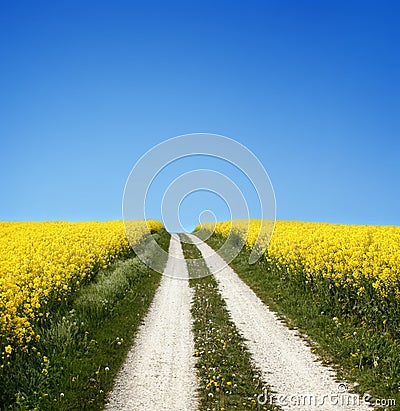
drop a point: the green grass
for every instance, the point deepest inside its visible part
(84, 343)
(228, 379)
(356, 349)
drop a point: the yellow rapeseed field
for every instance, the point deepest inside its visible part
(347, 254)
(42, 262)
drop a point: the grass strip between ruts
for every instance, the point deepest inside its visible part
(228, 378)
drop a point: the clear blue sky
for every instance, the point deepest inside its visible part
(311, 87)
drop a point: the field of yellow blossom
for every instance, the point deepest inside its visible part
(349, 255)
(43, 262)
(357, 264)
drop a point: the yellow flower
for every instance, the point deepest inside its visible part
(44, 260)
(347, 255)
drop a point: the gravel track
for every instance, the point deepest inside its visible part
(159, 372)
(286, 362)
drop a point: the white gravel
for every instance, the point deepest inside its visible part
(286, 362)
(159, 372)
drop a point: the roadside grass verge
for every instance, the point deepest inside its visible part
(228, 378)
(369, 359)
(84, 343)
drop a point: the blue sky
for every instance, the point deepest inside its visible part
(310, 87)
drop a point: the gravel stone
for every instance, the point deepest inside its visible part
(159, 372)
